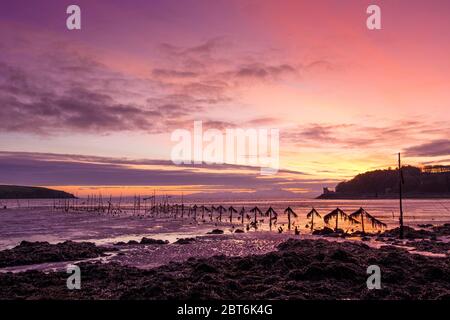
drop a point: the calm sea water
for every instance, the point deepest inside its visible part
(429, 211)
(36, 220)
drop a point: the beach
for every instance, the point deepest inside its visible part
(131, 257)
(295, 269)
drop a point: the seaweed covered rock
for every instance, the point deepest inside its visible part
(299, 269)
(145, 240)
(443, 230)
(40, 252)
(185, 240)
(216, 231)
(409, 233)
(324, 231)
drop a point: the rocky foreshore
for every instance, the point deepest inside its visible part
(298, 269)
(27, 253)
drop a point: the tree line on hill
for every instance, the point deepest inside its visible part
(385, 183)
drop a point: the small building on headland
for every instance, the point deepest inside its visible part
(327, 193)
(436, 169)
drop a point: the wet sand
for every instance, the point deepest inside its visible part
(44, 224)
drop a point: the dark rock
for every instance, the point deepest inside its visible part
(409, 233)
(145, 240)
(434, 274)
(443, 230)
(324, 231)
(39, 252)
(341, 255)
(185, 240)
(205, 268)
(216, 231)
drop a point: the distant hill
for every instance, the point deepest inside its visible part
(384, 184)
(21, 192)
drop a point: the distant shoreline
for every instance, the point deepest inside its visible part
(8, 192)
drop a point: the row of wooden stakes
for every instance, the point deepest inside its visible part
(143, 207)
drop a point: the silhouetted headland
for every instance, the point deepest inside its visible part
(23, 192)
(427, 182)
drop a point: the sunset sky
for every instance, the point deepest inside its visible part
(96, 107)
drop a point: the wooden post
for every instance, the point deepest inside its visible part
(182, 205)
(270, 220)
(139, 205)
(362, 222)
(289, 221)
(400, 195)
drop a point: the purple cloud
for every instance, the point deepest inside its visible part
(430, 149)
(264, 71)
(53, 169)
(55, 88)
(353, 135)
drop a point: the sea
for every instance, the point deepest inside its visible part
(38, 220)
(416, 211)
